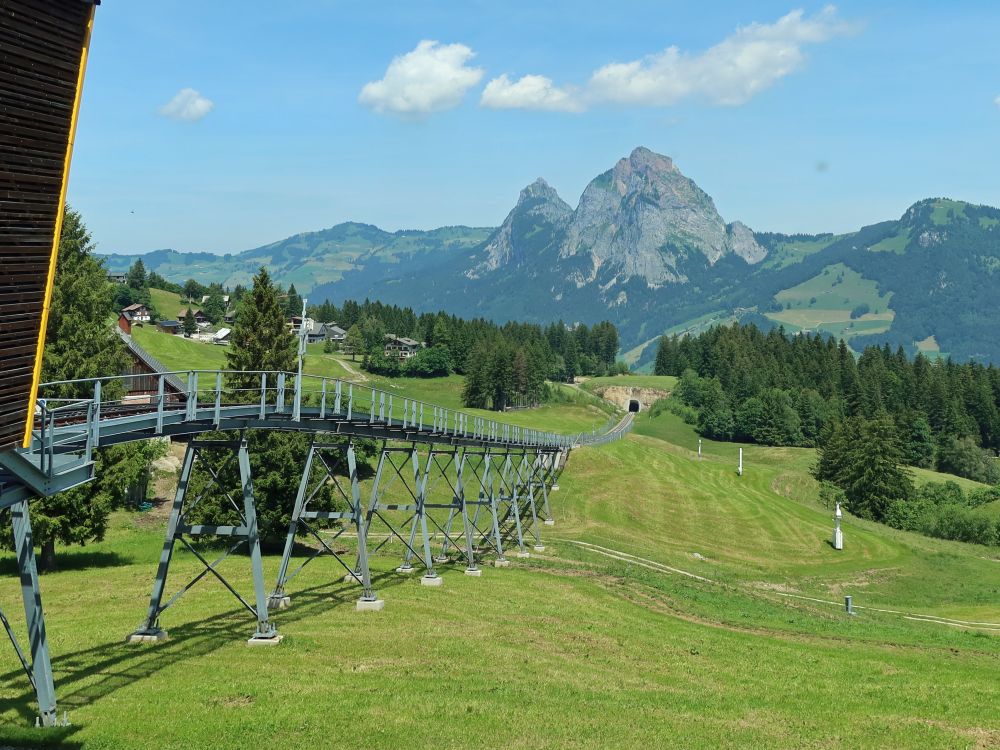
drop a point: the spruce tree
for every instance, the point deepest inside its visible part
(190, 326)
(260, 339)
(79, 343)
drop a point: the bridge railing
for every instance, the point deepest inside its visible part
(72, 412)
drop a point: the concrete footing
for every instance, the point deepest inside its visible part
(272, 640)
(539, 548)
(351, 579)
(370, 605)
(555, 487)
(442, 559)
(279, 601)
(523, 555)
(431, 581)
(549, 522)
(501, 563)
(147, 636)
(473, 572)
(405, 569)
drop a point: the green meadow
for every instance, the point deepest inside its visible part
(676, 604)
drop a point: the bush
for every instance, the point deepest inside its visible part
(376, 362)
(963, 457)
(859, 310)
(429, 363)
(674, 406)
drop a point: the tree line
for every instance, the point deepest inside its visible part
(870, 416)
(503, 365)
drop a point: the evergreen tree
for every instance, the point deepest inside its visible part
(136, 276)
(293, 303)
(260, 339)
(864, 458)
(570, 357)
(355, 341)
(79, 343)
(190, 325)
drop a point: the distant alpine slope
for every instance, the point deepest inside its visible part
(646, 248)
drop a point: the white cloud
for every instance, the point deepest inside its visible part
(529, 92)
(730, 73)
(187, 105)
(431, 78)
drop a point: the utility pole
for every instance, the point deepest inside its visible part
(303, 334)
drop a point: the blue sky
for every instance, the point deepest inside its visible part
(794, 117)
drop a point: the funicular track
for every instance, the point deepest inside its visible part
(448, 487)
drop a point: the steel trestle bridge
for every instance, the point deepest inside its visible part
(448, 487)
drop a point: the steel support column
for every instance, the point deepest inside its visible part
(40, 672)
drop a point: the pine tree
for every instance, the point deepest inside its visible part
(293, 303)
(79, 343)
(190, 325)
(136, 277)
(662, 364)
(260, 339)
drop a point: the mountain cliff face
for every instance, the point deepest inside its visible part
(539, 212)
(642, 219)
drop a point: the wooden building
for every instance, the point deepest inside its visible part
(44, 53)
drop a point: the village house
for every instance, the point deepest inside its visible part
(117, 278)
(125, 322)
(315, 331)
(199, 317)
(138, 312)
(335, 333)
(170, 326)
(401, 346)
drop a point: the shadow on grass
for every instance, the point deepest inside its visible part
(86, 676)
(73, 560)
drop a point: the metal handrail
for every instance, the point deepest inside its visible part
(209, 392)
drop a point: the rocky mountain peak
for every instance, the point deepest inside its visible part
(645, 218)
(539, 211)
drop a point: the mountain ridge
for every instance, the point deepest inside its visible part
(646, 248)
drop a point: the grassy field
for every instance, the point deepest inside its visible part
(601, 641)
(661, 382)
(824, 304)
(168, 304)
(794, 251)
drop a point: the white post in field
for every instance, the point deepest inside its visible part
(739, 469)
(699, 447)
(838, 535)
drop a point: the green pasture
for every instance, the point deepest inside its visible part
(605, 639)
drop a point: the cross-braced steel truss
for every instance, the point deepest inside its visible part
(216, 458)
(327, 465)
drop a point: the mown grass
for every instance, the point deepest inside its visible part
(168, 304)
(567, 649)
(661, 382)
